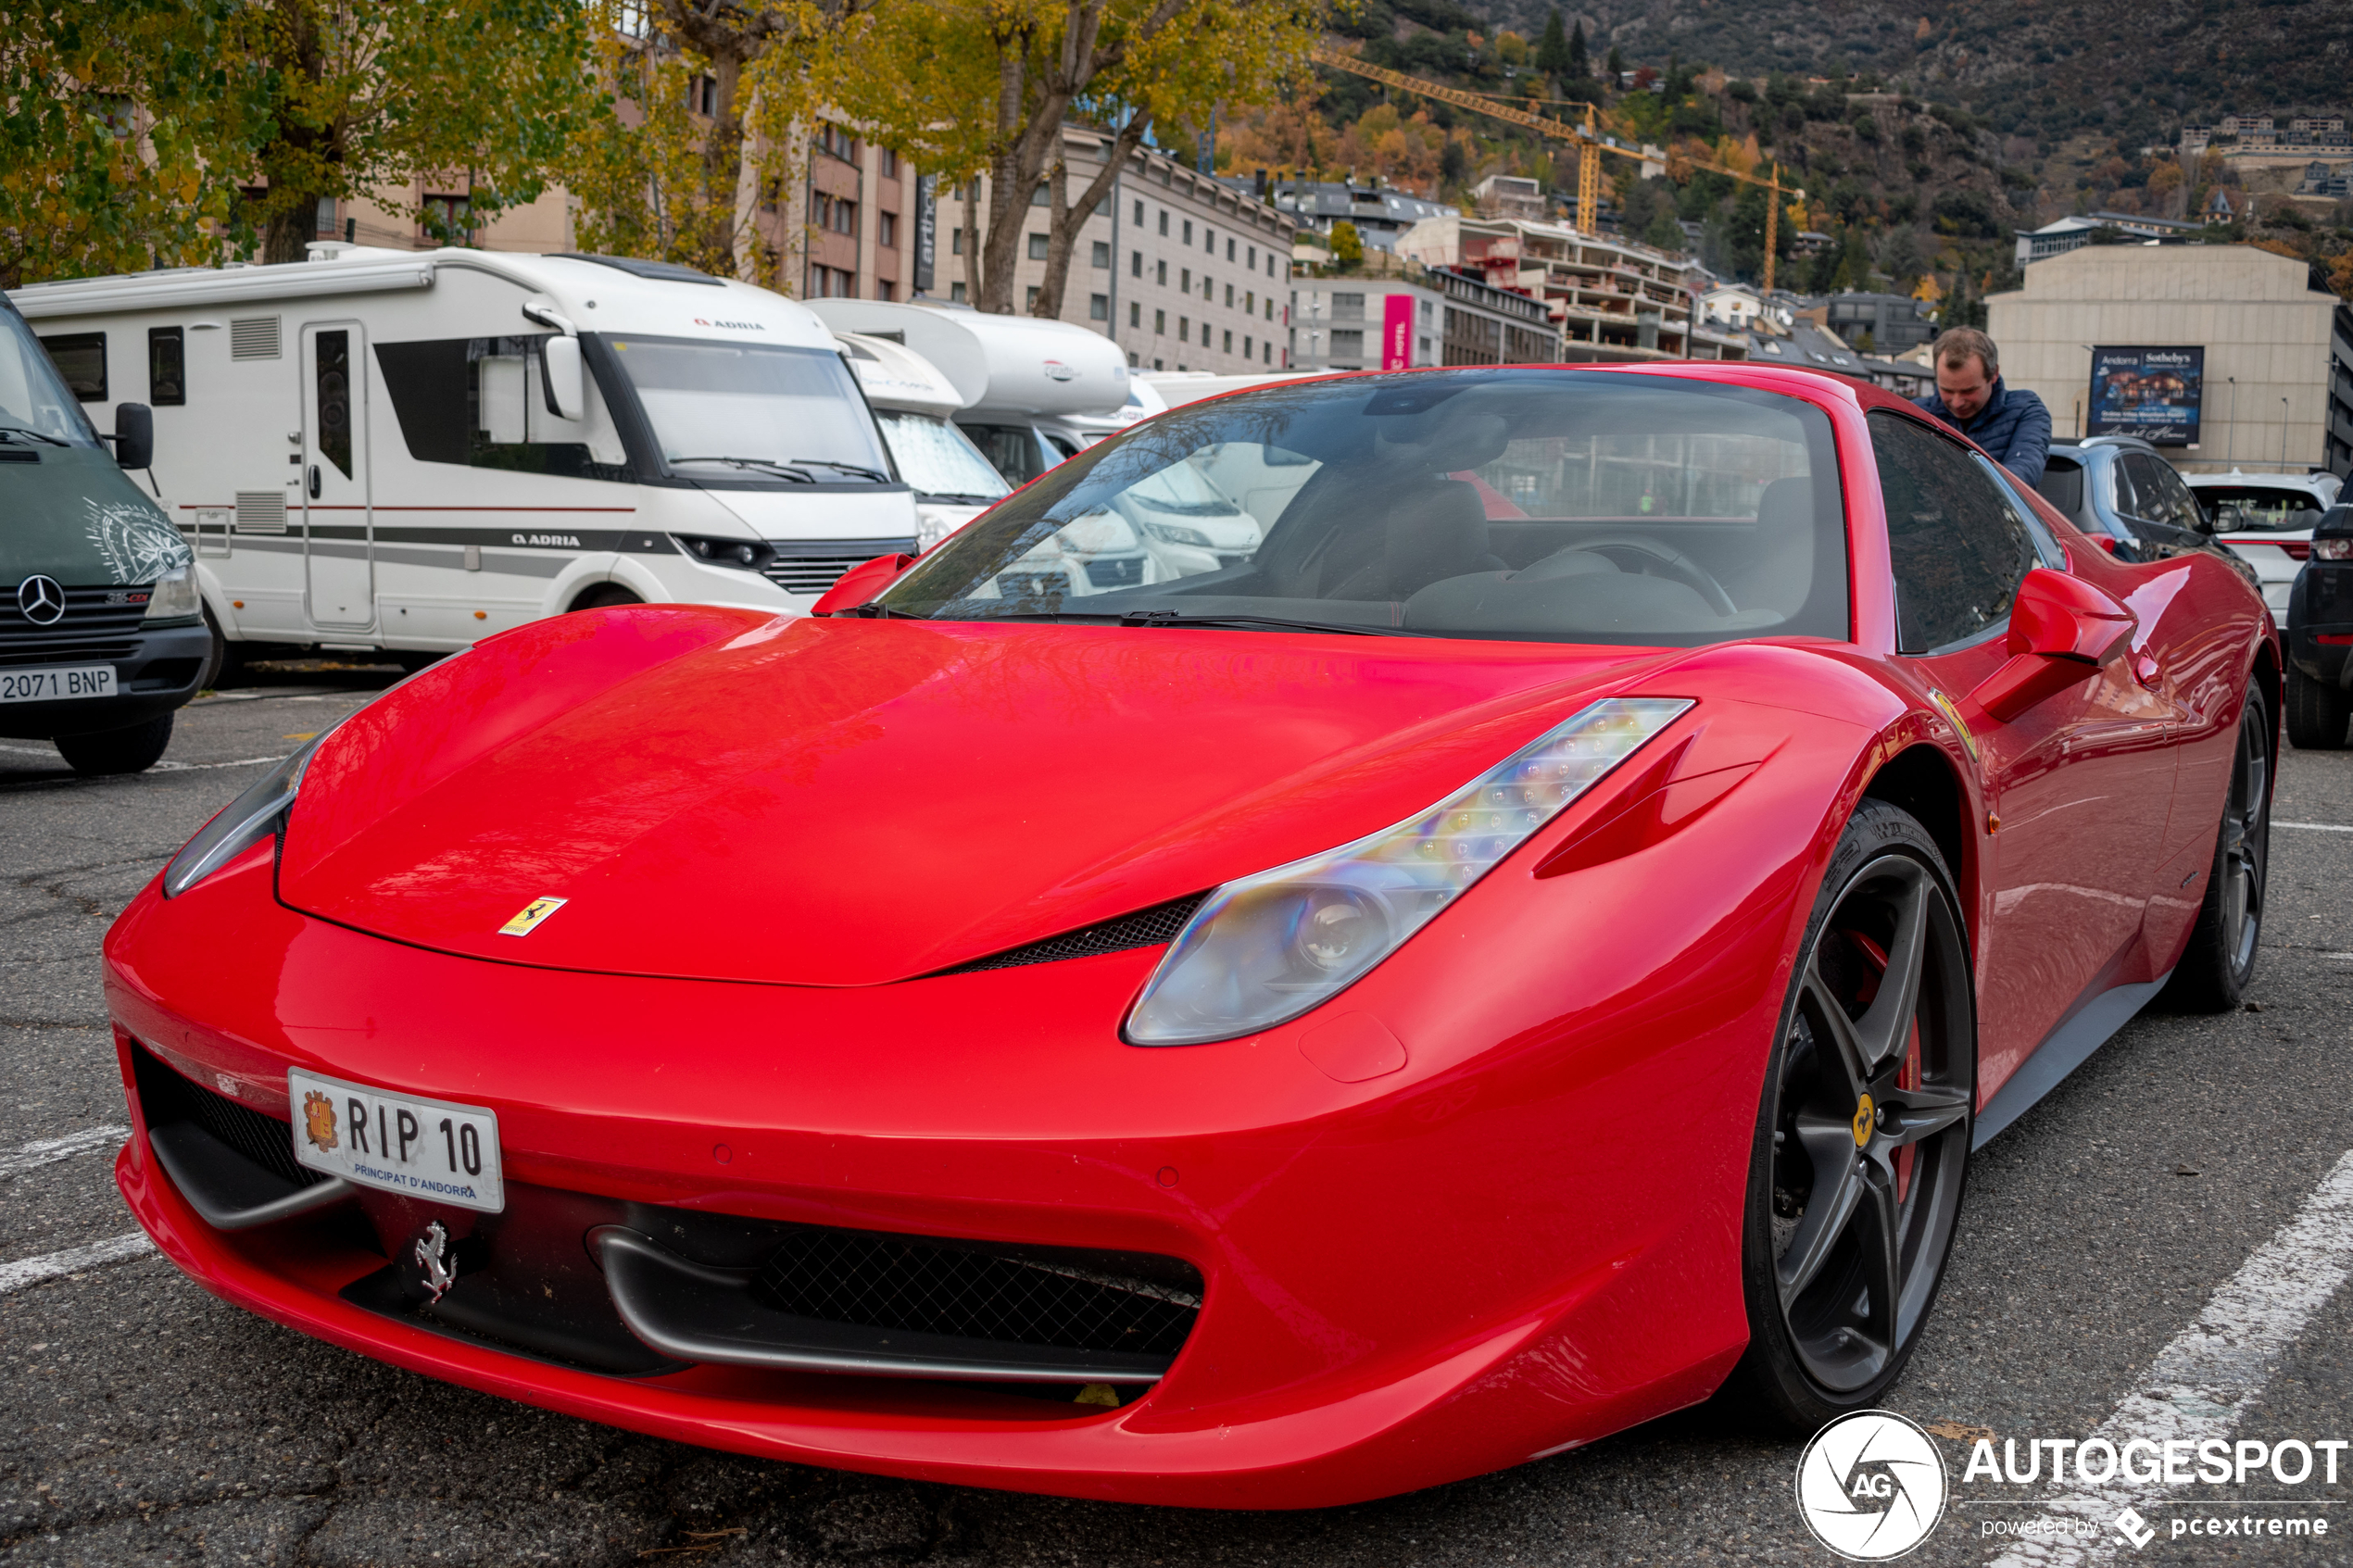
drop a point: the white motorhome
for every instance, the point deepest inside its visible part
(411, 450)
(953, 482)
(1034, 392)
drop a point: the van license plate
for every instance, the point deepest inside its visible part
(57, 683)
(429, 1148)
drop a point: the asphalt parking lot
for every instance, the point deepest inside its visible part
(143, 1422)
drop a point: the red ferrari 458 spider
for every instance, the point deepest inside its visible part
(1358, 934)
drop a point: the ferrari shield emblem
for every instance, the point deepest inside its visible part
(318, 1121)
(1864, 1116)
(527, 919)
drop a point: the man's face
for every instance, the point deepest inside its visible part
(1964, 388)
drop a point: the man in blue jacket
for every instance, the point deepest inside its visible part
(2012, 426)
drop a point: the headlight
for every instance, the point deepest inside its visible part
(2333, 549)
(174, 597)
(1174, 534)
(243, 823)
(1268, 947)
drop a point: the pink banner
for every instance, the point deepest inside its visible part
(1396, 332)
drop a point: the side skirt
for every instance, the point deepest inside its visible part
(2066, 1049)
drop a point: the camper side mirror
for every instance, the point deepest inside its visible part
(134, 435)
(565, 378)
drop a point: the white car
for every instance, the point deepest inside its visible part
(2267, 520)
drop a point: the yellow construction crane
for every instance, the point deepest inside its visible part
(1590, 143)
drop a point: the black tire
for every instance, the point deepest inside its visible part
(217, 662)
(2218, 963)
(1838, 1284)
(2318, 713)
(605, 597)
(413, 660)
(134, 750)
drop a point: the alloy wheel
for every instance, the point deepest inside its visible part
(1872, 1119)
(2246, 826)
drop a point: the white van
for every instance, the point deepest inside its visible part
(410, 450)
(1034, 392)
(953, 482)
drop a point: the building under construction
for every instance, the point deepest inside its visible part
(1613, 300)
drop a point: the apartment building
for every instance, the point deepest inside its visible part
(1424, 316)
(1183, 272)
(855, 233)
(1379, 213)
(1613, 300)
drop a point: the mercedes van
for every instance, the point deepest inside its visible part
(101, 635)
(411, 450)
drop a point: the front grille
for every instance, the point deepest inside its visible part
(1146, 928)
(25, 650)
(165, 1097)
(87, 615)
(914, 1286)
(1119, 572)
(812, 566)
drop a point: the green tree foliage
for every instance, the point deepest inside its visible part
(1348, 246)
(1581, 65)
(1552, 50)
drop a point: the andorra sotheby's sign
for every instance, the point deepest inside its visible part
(2151, 392)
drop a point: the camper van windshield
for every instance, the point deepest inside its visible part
(939, 460)
(32, 396)
(752, 412)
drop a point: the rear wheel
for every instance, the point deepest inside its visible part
(2219, 962)
(605, 597)
(132, 750)
(2318, 713)
(1863, 1138)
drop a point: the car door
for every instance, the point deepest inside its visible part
(2079, 786)
(337, 520)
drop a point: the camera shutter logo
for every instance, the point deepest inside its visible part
(1871, 1485)
(42, 601)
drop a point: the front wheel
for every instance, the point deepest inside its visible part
(132, 750)
(1863, 1136)
(605, 598)
(2220, 960)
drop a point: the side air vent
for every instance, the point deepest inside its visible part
(253, 337)
(1155, 927)
(261, 512)
(234, 1164)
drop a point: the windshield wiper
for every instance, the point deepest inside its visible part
(1170, 618)
(766, 465)
(875, 474)
(20, 430)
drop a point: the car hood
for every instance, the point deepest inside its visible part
(852, 802)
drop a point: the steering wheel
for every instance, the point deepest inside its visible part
(1680, 566)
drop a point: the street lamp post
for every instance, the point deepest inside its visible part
(2229, 421)
(2283, 435)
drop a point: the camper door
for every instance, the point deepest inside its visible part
(338, 523)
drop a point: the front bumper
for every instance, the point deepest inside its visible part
(2322, 606)
(155, 672)
(1435, 1274)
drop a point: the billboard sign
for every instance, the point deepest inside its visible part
(2151, 392)
(926, 229)
(1396, 332)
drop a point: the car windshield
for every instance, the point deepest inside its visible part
(2258, 509)
(752, 412)
(1556, 506)
(939, 460)
(32, 396)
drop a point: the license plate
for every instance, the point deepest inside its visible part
(57, 683)
(427, 1149)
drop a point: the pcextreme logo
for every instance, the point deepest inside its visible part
(1871, 1486)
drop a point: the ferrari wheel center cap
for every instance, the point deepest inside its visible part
(1865, 1119)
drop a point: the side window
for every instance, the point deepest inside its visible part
(2046, 544)
(334, 371)
(1958, 548)
(1012, 450)
(2163, 496)
(166, 368)
(80, 358)
(480, 402)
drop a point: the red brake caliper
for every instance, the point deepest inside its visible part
(1907, 1076)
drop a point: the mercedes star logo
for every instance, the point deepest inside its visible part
(42, 600)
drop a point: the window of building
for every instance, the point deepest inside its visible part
(1099, 308)
(1160, 273)
(833, 139)
(1100, 255)
(1037, 248)
(1159, 325)
(1958, 549)
(1135, 314)
(956, 293)
(1135, 263)
(1185, 280)
(1229, 296)
(1267, 354)
(1230, 250)
(1140, 215)
(1160, 364)
(1209, 239)
(1246, 348)
(446, 218)
(885, 290)
(1189, 231)
(956, 242)
(1347, 343)
(1184, 329)
(1228, 345)
(1029, 299)
(1249, 303)
(166, 368)
(1250, 259)
(1270, 264)
(889, 164)
(1163, 221)
(1131, 359)
(887, 230)
(1270, 307)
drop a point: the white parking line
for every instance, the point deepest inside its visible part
(48, 1151)
(166, 766)
(73, 1260)
(2200, 1383)
(2314, 827)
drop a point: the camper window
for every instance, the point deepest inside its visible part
(32, 396)
(80, 358)
(480, 402)
(166, 368)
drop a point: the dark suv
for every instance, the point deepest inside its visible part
(2319, 638)
(2121, 492)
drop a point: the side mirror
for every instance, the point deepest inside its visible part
(2061, 628)
(862, 582)
(564, 378)
(134, 435)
